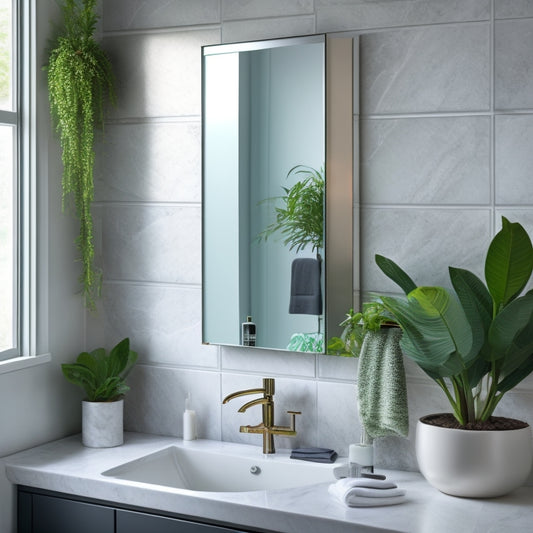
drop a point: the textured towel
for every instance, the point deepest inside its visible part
(381, 384)
(361, 492)
(306, 292)
(315, 455)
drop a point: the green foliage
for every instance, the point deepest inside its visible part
(476, 344)
(356, 325)
(102, 376)
(80, 80)
(300, 218)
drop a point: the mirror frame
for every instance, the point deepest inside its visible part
(339, 172)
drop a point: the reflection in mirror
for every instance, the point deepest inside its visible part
(263, 194)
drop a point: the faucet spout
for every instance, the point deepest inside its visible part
(233, 395)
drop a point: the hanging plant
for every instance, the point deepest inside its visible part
(80, 81)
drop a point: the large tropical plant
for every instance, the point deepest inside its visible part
(300, 211)
(80, 81)
(476, 344)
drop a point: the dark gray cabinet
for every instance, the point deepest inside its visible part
(47, 512)
(135, 522)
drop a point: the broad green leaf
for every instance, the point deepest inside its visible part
(100, 359)
(81, 376)
(515, 377)
(395, 273)
(477, 305)
(508, 324)
(436, 332)
(87, 360)
(118, 357)
(509, 263)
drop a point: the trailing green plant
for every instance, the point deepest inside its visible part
(356, 325)
(80, 81)
(102, 376)
(300, 217)
(475, 342)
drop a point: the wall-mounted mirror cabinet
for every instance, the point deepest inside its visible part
(277, 155)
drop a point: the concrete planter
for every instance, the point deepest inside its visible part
(474, 464)
(102, 424)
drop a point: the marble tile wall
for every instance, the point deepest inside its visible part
(446, 127)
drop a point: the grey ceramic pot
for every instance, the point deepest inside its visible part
(102, 424)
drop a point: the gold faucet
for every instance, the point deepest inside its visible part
(267, 426)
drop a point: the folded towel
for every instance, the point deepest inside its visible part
(362, 492)
(306, 291)
(315, 455)
(381, 384)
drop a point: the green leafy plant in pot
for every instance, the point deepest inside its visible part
(356, 325)
(103, 378)
(477, 344)
(80, 82)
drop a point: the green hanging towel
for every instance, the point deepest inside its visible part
(381, 387)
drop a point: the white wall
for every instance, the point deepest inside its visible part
(37, 404)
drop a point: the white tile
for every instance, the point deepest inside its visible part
(252, 30)
(156, 401)
(424, 242)
(148, 243)
(342, 15)
(163, 321)
(157, 162)
(513, 64)
(514, 159)
(425, 70)
(143, 14)
(444, 160)
(279, 363)
(253, 9)
(158, 74)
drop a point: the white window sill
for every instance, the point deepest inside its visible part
(19, 363)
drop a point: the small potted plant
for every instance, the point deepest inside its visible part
(356, 326)
(102, 377)
(476, 345)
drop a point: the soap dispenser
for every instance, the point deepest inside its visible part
(189, 420)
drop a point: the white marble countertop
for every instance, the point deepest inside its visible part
(67, 466)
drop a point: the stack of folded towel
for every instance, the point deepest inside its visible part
(315, 455)
(364, 492)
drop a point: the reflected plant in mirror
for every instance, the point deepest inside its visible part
(300, 217)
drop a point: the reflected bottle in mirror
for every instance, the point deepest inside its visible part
(248, 332)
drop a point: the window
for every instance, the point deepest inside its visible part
(17, 183)
(9, 150)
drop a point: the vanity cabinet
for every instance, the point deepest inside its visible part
(48, 512)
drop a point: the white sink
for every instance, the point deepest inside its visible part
(232, 468)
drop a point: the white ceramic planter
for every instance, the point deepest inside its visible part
(474, 464)
(102, 424)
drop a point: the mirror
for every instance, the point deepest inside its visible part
(272, 165)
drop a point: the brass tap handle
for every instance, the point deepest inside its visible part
(293, 419)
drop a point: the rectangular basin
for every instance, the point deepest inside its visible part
(221, 471)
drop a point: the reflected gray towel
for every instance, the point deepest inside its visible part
(306, 292)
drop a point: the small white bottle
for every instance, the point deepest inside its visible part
(189, 420)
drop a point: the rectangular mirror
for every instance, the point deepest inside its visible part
(277, 153)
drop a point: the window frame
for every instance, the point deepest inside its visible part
(24, 97)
